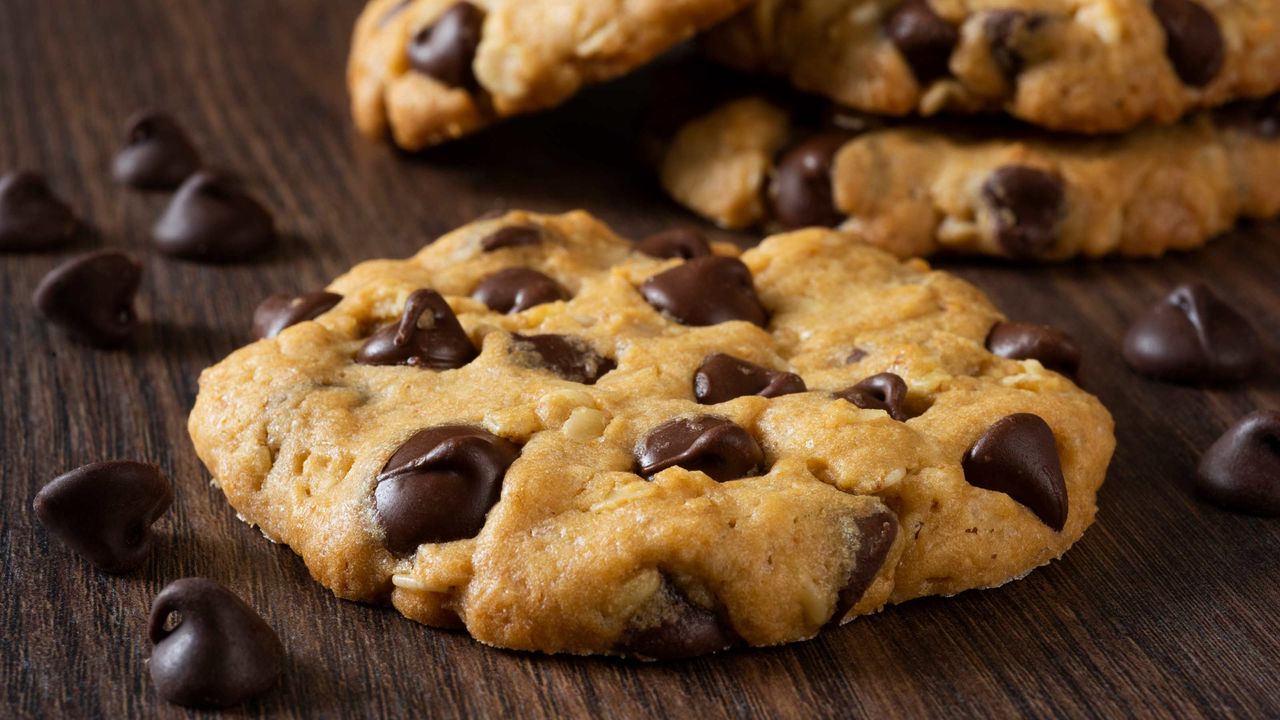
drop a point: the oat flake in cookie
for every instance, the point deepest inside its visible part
(615, 487)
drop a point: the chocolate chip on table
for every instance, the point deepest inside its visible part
(685, 630)
(1191, 336)
(440, 484)
(31, 216)
(220, 653)
(801, 192)
(104, 511)
(723, 377)
(156, 155)
(1027, 207)
(569, 357)
(280, 311)
(1194, 41)
(680, 242)
(882, 391)
(1055, 349)
(876, 534)
(91, 297)
(212, 219)
(427, 335)
(1241, 470)
(1008, 31)
(446, 49)
(924, 39)
(713, 445)
(517, 289)
(1018, 456)
(706, 291)
(511, 236)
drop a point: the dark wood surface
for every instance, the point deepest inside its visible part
(1167, 607)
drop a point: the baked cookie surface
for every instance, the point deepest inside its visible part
(611, 452)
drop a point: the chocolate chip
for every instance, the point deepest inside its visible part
(682, 629)
(420, 338)
(1018, 456)
(31, 216)
(1026, 204)
(1194, 40)
(1260, 116)
(440, 484)
(1008, 32)
(876, 534)
(724, 377)
(882, 391)
(1241, 471)
(156, 155)
(220, 653)
(856, 355)
(718, 447)
(801, 193)
(446, 49)
(517, 289)
(680, 242)
(280, 311)
(211, 219)
(104, 511)
(706, 291)
(511, 236)
(569, 357)
(924, 39)
(91, 297)
(1054, 348)
(1193, 337)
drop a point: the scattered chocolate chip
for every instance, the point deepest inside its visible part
(211, 219)
(104, 511)
(1054, 348)
(1193, 337)
(724, 377)
(1195, 45)
(801, 193)
(440, 484)
(706, 291)
(280, 311)
(31, 216)
(855, 356)
(446, 49)
(924, 39)
(718, 447)
(517, 289)
(683, 630)
(1241, 470)
(1026, 204)
(156, 155)
(511, 236)
(569, 357)
(681, 242)
(220, 653)
(427, 335)
(1008, 32)
(876, 534)
(1018, 456)
(882, 391)
(91, 297)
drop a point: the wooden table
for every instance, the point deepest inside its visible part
(1167, 607)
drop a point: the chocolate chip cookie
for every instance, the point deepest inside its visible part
(1088, 66)
(651, 455)
(1011, 191)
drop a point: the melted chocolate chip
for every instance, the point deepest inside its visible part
(517, 289)
(1008, 31)
(924, 39)
(1194, 40)
(446, 49)
(1026, 204)
(440, 484)
(683, 630)
(883, 391)
(1241, 470)
(724, 377)
(221, 652)
(278, 312)
(1018, 456)
(1054, 348)
(31, 216)
(91, 297)
(681, 242)
(156, 155)
(211, 219)
(427, 335)
(1193, 337)
(569, 357)
(704, 443)
(104, 511)
(801, 192)
(706, 291)
(876, 534)
(855, 355)
(511, 236)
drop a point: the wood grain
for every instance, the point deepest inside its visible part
(1166, 608)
